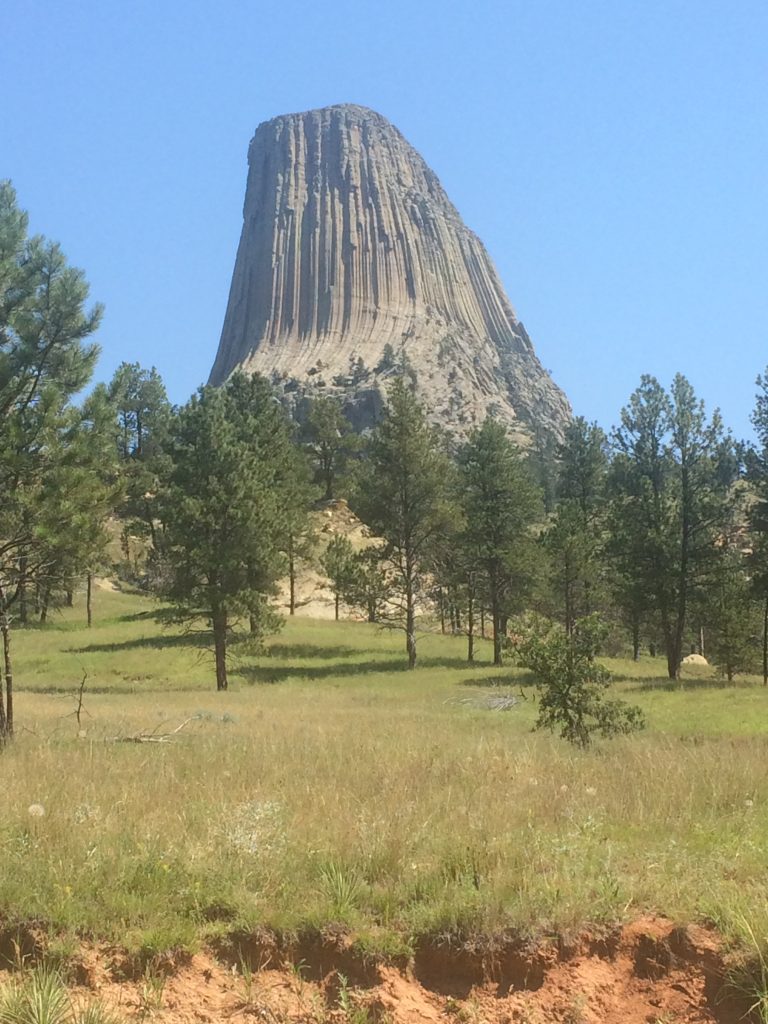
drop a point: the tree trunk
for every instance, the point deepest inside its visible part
(253, 623)
(568, 595)
(45, 598)
(291, 578)
(470, 626)
(497, 633)
(410, 619)
(5, 628)
(673, 667)
(88, 595)
(701, 641)
(69, 597)
(635, 639)
(3, 719)
(220, 647)
(765, 641)
(482, 622)
(441, 605)
(336, 604)
(675, 650)
(125, 545)
(674, 655)
(23, 590)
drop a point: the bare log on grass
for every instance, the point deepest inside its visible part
(491, 702)
(154, 736)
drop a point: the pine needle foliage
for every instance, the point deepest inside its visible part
(572, 684)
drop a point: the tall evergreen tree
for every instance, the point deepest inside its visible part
(575, 533)
(79, 494)
(329, 441)
(672, 476)
(224, 508)
(298, 530)
(338, 562)
(501, 502)
(402, 495)
(758, 515)
(143, 415)
(368, 587)
(44, 361)
(730, 611)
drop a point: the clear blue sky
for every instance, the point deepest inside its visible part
(612, 154)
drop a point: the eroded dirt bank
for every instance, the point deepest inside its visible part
(648, 971)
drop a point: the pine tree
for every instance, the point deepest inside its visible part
(43, 363)
(299, 536)
(329, 441)
(224, 508)
(572, 683)
(672, 476)
(758, 516)
(575, 532)
(368, 587)
(500, 502)
(143, 415)
(402, 495)
(732, 618)
(78, 495)
(338, 562)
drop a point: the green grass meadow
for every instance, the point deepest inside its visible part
(331, 786)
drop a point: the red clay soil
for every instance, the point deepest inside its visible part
(647, 972)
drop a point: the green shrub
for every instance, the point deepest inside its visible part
(573, 685)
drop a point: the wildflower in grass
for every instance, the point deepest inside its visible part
(36, 811)
(563, 788)
(749, 803)
(590, 791)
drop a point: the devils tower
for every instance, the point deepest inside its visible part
(353, 261)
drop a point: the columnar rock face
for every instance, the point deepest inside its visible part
(351, 254)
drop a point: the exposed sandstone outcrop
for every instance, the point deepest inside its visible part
(350, 245)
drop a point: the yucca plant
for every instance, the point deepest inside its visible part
(751, 981)
(94, 1013)
(341, 887)
(36, 998)
(40, 997)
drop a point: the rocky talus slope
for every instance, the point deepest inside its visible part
(351, 253)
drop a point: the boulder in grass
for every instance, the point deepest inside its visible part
(695, 659)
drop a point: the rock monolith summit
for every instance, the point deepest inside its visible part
(353, 262)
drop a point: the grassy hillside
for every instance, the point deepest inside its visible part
(330, 785)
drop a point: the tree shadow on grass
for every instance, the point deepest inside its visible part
(274, 672)
(443, 661)
(303, 650)
(147, 615)
(195, 640)
(506, 681)
(662, 684)
(108, 689)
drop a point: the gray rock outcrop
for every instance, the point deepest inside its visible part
(351, 253)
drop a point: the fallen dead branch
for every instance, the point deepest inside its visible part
(491, 702)
(154, 736)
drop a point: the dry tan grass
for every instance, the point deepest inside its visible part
(349, 791)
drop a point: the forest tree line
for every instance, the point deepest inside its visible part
(658, 529)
